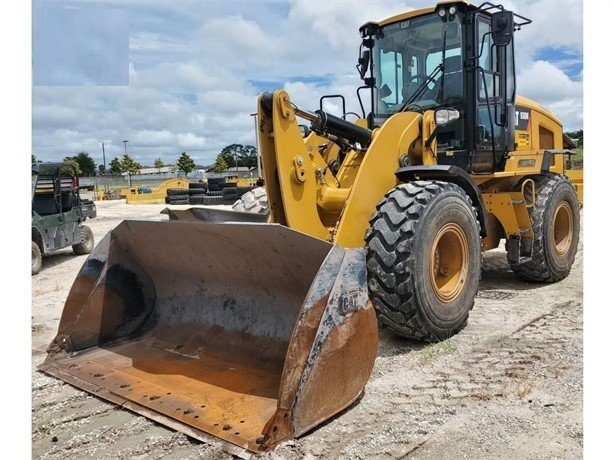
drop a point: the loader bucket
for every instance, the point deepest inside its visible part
(213, 215)
(245, 332)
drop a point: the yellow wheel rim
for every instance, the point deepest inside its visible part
(449, 262)
(562, 228)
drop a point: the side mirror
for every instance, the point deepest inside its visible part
(363, 63)
(502, 26)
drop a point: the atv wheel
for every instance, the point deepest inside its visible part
(87, 242)
(37, 258)
(556, 228)
(424, 259)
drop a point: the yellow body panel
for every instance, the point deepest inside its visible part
(157, 195)
(304, 194)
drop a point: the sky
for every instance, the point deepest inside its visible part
(173, 76)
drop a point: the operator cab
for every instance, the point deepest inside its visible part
(454, 56)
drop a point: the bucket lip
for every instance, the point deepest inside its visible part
(278, 226)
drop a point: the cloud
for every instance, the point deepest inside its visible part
(196, 69)
(551, 87)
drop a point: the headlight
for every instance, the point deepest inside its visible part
(441, 12)
(452, 10)
(445, 116)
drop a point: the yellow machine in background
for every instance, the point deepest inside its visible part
(256, 332)
(157, 195)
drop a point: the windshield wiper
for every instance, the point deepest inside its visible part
(440, 69)
(423, 87)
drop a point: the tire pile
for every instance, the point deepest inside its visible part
(215, 192)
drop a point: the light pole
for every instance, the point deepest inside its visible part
(104, 161)
(125, 152)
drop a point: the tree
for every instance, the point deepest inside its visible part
(159, 164)
(34, 159)
(129, 166)
(86, 163)
(576, 161)
(101, 169)
(116, 166)
(220, 165)
(578, 136)
(240, 155)
(74, 162)
(185, 163)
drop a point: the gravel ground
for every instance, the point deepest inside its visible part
(509, 386)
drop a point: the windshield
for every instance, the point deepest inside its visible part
(409, 65)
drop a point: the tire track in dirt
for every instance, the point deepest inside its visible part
(400, 414)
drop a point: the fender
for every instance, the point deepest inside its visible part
(447, 173)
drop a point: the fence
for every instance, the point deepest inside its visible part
(116, 182)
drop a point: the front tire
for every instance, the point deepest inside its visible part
(87, 241)
(556, 228)
(424, 259)
(37, 258)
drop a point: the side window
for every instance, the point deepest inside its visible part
(487, 130)
(488, 78)
(392, 75)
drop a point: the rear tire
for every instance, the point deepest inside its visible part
(37, 258)
(556, 228)
(87, 242)
(424, 259)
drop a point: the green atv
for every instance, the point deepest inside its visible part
(58, 212)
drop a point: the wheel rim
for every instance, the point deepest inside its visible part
(449, 262)
(562, 228)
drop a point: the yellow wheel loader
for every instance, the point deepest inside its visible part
(257, 328)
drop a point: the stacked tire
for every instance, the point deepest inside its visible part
(215, 184)
(233, 193)
(211, 193)
(177, 196)
(196, 192)
(216, 191)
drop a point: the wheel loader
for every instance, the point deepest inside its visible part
(253, 331)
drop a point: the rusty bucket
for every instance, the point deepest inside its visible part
(248, 332)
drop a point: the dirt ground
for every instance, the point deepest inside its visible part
(509, 386)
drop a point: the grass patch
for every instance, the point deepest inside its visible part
(435, 350)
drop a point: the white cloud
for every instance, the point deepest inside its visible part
(190, 141)
(547, 84)
(195, 69)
